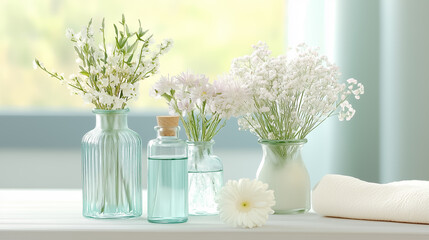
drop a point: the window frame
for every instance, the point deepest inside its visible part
(64, 130)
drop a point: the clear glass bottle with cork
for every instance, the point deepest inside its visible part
(167, 174)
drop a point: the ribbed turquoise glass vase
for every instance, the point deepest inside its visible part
(111, 167)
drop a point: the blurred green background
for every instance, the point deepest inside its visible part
(207, 36)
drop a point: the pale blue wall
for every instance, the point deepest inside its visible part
(405, 89)
(385, 45)
(357, 53)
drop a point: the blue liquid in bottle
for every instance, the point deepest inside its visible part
(167, 175)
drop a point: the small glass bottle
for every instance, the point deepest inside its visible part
(205, 173)
(167, 174)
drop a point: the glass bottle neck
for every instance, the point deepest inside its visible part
(111, 121)
(199, 149)
(167, 133)
(201, 158)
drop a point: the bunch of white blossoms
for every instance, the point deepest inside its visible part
(292, 93)
(109, 74)
(202, 105)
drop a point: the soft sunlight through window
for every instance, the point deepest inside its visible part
(207, 36)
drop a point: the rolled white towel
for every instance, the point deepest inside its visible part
(348, 197)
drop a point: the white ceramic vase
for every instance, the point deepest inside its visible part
(284, 171)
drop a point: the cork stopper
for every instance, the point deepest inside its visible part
(167, 123)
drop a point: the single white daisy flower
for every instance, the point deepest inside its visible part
(245, 203)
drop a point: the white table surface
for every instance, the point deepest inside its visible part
(56, 214)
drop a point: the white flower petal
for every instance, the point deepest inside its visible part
(257, 199)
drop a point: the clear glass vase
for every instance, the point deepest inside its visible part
(205, 173)
(111, 167)
(167, 178)
(284, 171)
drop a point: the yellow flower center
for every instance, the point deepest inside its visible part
(244, 206)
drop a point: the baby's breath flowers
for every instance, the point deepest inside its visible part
(203, 107)
(245, 203)
(109, 74)
(293, 93)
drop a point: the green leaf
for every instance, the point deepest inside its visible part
(120, 45)
(147, 40)
(130, 58)
(127, 31)
(116, 29)
(83, 69)
(122, 42)
(167, 97)
(84, 73)
(77, 50)
(123, 19)
(144, 32)
(132, 47)
(117, 43)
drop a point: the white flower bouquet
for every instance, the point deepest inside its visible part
(203, 107)
(109, 74)
(292, 94)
